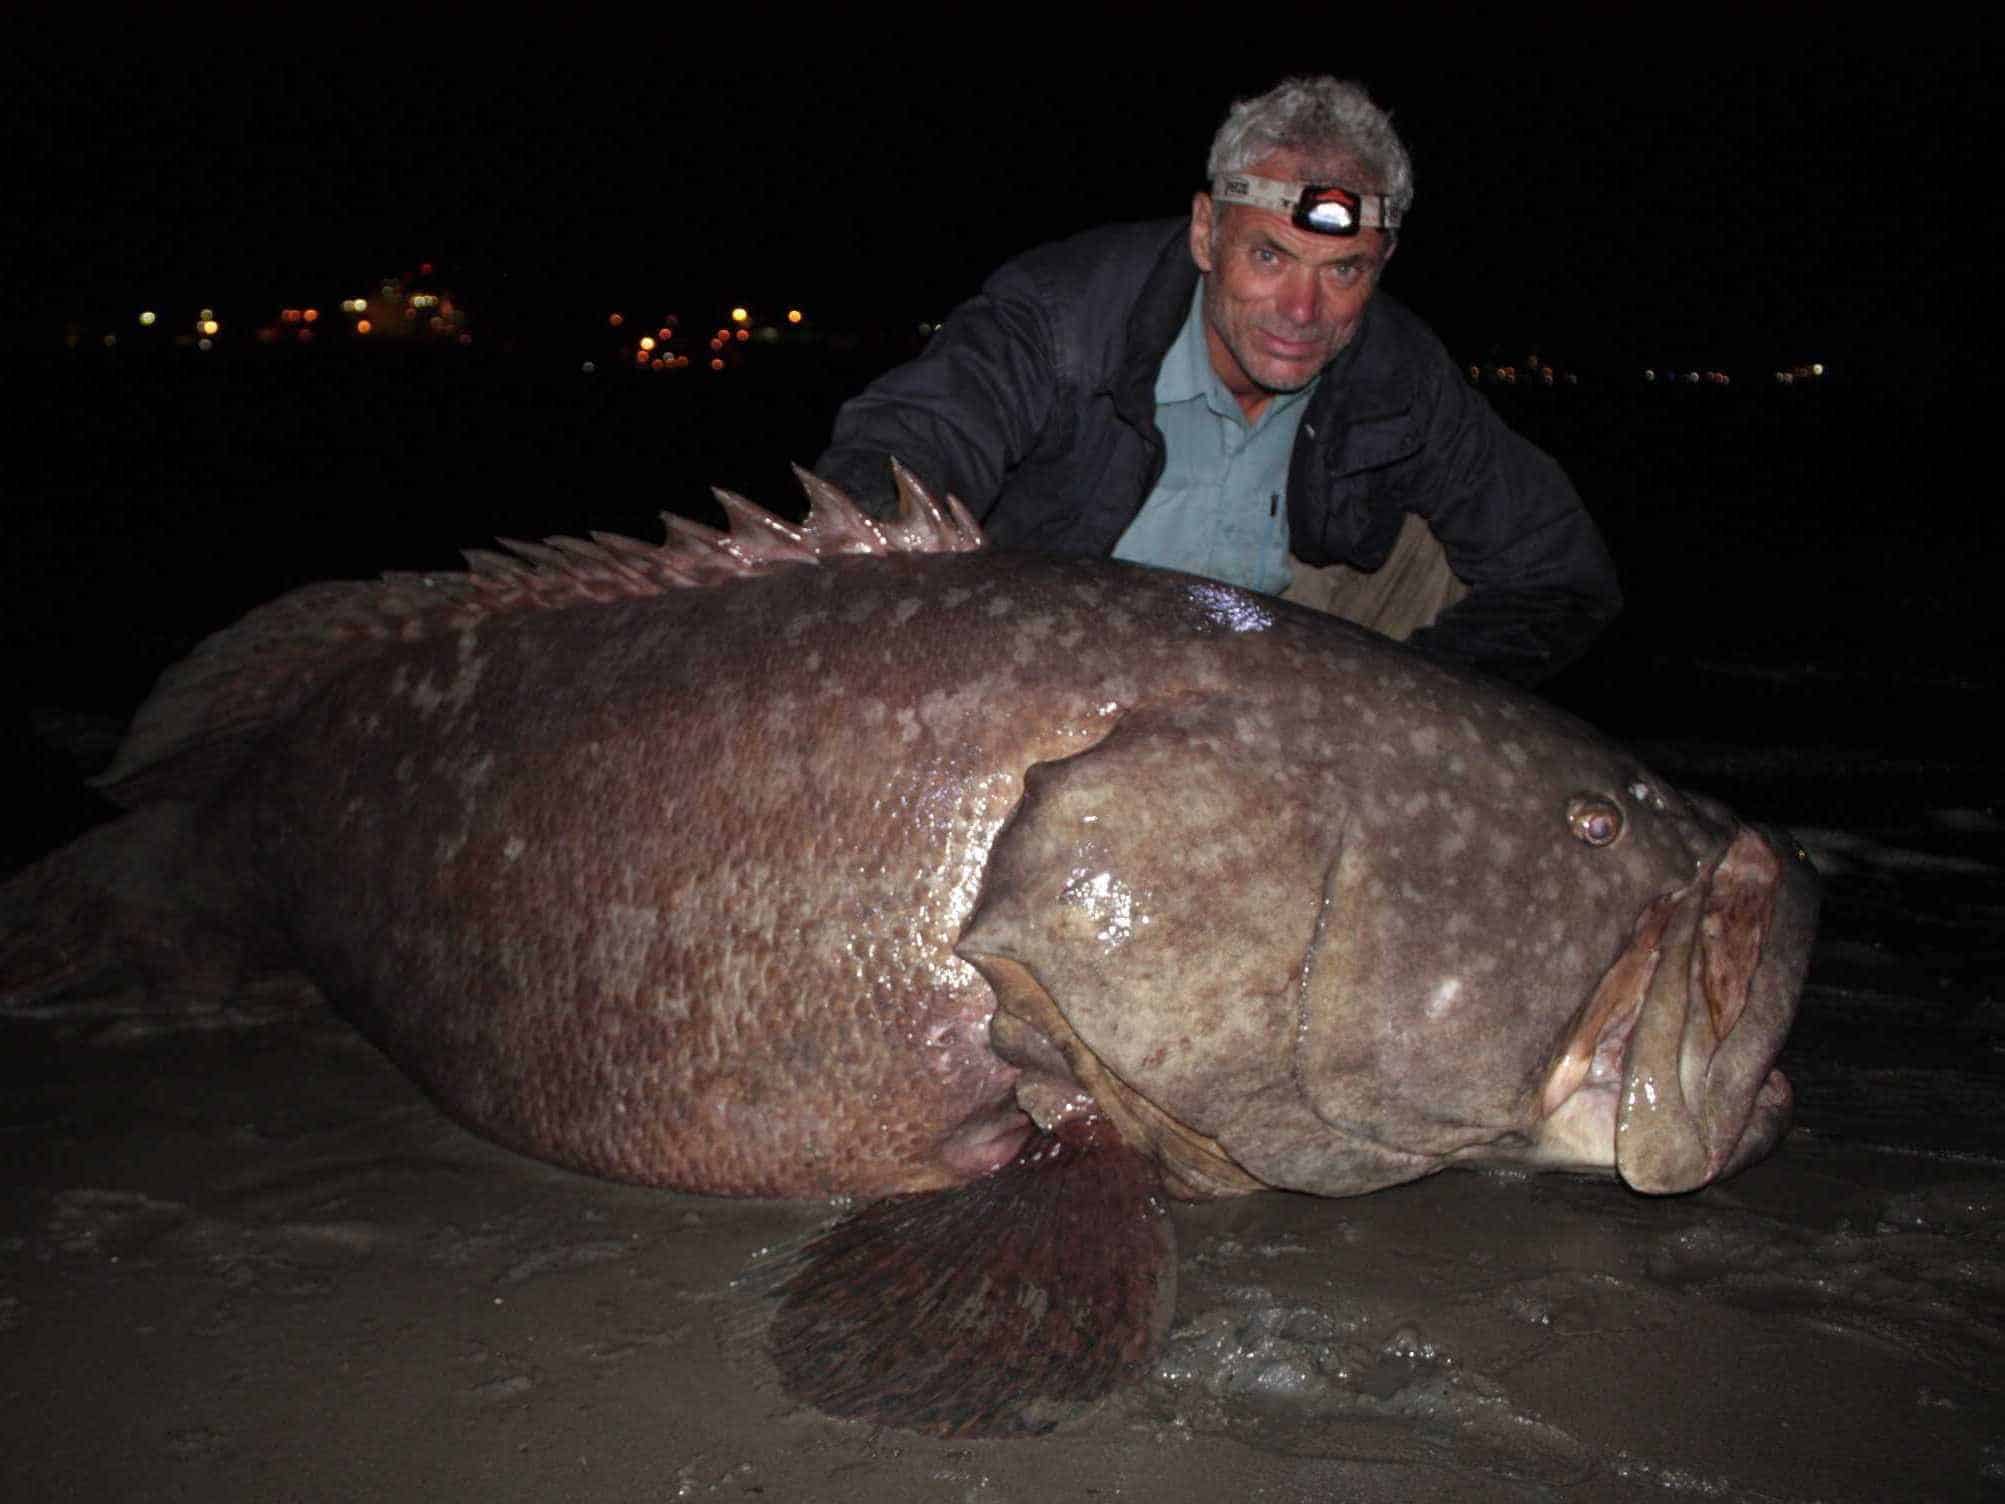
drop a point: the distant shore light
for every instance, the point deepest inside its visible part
(739, 315)
(363, 326)
(794, 315)
(146, 319)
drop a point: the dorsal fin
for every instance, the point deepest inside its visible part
(208, 710)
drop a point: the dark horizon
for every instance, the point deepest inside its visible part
(1677, 207)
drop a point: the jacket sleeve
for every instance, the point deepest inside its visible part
(1541, 583)
(960, 414)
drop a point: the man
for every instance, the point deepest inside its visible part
(1234, 397)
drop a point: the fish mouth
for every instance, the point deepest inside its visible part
(1678, 1044)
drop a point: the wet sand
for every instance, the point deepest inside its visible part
(246, 1260)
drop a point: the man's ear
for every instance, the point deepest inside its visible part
(1201, 211)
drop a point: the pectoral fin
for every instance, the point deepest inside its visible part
(1001, 1307)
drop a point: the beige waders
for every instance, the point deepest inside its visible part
(1408, 591)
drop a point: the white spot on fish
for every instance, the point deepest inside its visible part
(805, 621)
(908, 726)
(905, 611)
(514, 848)
(1444, 996)
(620, 944)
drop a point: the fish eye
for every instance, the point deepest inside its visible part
(1594, 818)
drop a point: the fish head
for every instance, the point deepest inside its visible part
(1475, 932)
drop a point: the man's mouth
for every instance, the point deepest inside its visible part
(1293, 346)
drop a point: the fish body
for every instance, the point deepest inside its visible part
(891, 872)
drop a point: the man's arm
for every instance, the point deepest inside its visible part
(1541, 583)
(961, 413)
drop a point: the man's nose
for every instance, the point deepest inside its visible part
(1301, 296)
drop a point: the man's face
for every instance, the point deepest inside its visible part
(1280, 302)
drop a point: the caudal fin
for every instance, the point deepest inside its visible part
(126, 920)
(998, 1308)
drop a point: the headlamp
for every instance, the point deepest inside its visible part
(1320, 208)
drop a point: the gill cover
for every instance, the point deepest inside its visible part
(1111, 890)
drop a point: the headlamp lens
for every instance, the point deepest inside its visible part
(1328, 210)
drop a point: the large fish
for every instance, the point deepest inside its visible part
(1007, 893)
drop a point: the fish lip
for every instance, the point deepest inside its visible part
(1698, 1102)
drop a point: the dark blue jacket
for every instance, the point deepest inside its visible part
(1035, 404)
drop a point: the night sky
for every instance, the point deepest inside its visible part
(1613, 198)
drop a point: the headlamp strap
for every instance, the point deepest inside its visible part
(1321, 208)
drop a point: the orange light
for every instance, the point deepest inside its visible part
(743, 335)
(209, 326)
(664, 334)
(616, 319)
(309, 314)
(716, 365)
(647, 342)
(739, 315)
(363, 326)
(793, 315)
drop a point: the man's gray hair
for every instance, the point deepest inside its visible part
(1329, 122)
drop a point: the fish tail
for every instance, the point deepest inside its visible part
(118, 923)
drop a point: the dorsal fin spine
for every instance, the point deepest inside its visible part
(209, 710)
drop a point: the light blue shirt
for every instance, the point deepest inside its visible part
(1221, 507)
